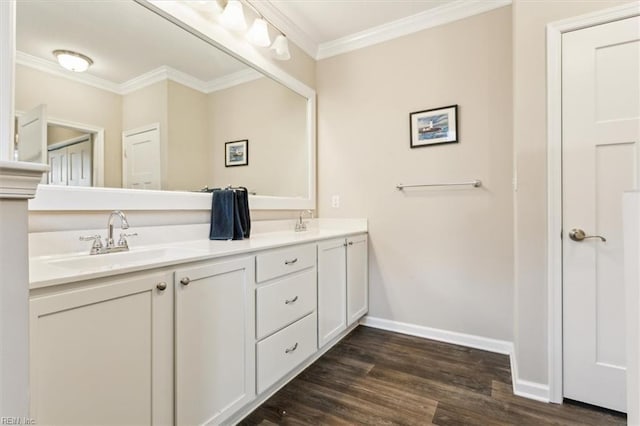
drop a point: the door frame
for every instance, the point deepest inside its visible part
(554, 179)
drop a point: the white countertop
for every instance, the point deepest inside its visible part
(44, 272)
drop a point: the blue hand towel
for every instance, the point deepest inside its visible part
(223, 215)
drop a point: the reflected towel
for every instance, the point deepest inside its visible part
(242, 196)
(223, 215)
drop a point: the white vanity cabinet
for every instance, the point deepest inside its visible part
(357, 278)
(332, 289)
(214, 332)
(286, 323)
(343, 288)
(202, 342)
(103, 353)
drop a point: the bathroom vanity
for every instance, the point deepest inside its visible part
(195, 332)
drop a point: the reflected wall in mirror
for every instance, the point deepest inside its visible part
(155, 108)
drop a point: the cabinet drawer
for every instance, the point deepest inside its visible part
(285, 301)
(284, 261)
(285, 350)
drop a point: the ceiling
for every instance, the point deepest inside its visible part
(113, 34)
(327, 20)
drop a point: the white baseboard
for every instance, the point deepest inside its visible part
(468, 340)
(523, 388)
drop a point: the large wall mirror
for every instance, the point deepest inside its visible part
(159, 109)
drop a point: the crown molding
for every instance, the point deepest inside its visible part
(440, 15)
(19, 180)
(154, 76)
(230, 80)
(52, 67)
(290, 29)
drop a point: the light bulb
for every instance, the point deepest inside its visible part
(259, 33)
(280, 48)
(233, 16)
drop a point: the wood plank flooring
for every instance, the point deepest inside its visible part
(376, 377)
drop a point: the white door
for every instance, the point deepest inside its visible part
(332, 289)
(141, 158)
(357, 278)
(79, 168)
(601, 131)
(32, 135)
(58, 167)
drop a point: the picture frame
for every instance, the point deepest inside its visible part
(434, 126)
(236, 153)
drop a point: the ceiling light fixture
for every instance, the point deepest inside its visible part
(73, 61)
(280, 48)
(233, 16)
(259, 33)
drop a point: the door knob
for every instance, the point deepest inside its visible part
(577, 234)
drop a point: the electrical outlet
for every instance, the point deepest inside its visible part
(335, 201)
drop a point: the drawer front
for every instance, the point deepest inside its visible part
(285, 301)
(285, 350)
(280, 262)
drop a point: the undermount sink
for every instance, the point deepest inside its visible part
(121, 259)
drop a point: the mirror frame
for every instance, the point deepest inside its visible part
(59, 198)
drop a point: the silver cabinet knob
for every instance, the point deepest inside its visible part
(162, 286)
(577, 234)
(185, 281)
(350, 243)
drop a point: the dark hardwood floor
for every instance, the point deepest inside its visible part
(376, 377)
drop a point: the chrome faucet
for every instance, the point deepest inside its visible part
(110, 246)
(124, 225)
(300, 224)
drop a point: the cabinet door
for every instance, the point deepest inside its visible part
(215, 351)
(357, 278)
(104, 354)
(332, 290)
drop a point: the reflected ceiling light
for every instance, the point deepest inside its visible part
(73, 61)
(233, 16)
(280, 48)
(259, 33)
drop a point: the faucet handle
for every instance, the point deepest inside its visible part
(122, 242)
(97, 242)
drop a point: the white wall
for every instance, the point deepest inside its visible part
(440, 258)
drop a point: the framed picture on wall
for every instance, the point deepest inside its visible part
(236, 153)
(434, 126)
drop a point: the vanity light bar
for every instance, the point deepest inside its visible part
(233, 18)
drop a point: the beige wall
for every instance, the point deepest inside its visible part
(439, 258)
(69, 100)
(529, 64)
(57, 134)
(188, 168)
(273, 119)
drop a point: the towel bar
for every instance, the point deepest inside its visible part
(475, 183)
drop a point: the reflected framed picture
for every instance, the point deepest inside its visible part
(236, 153)
(434, 126)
